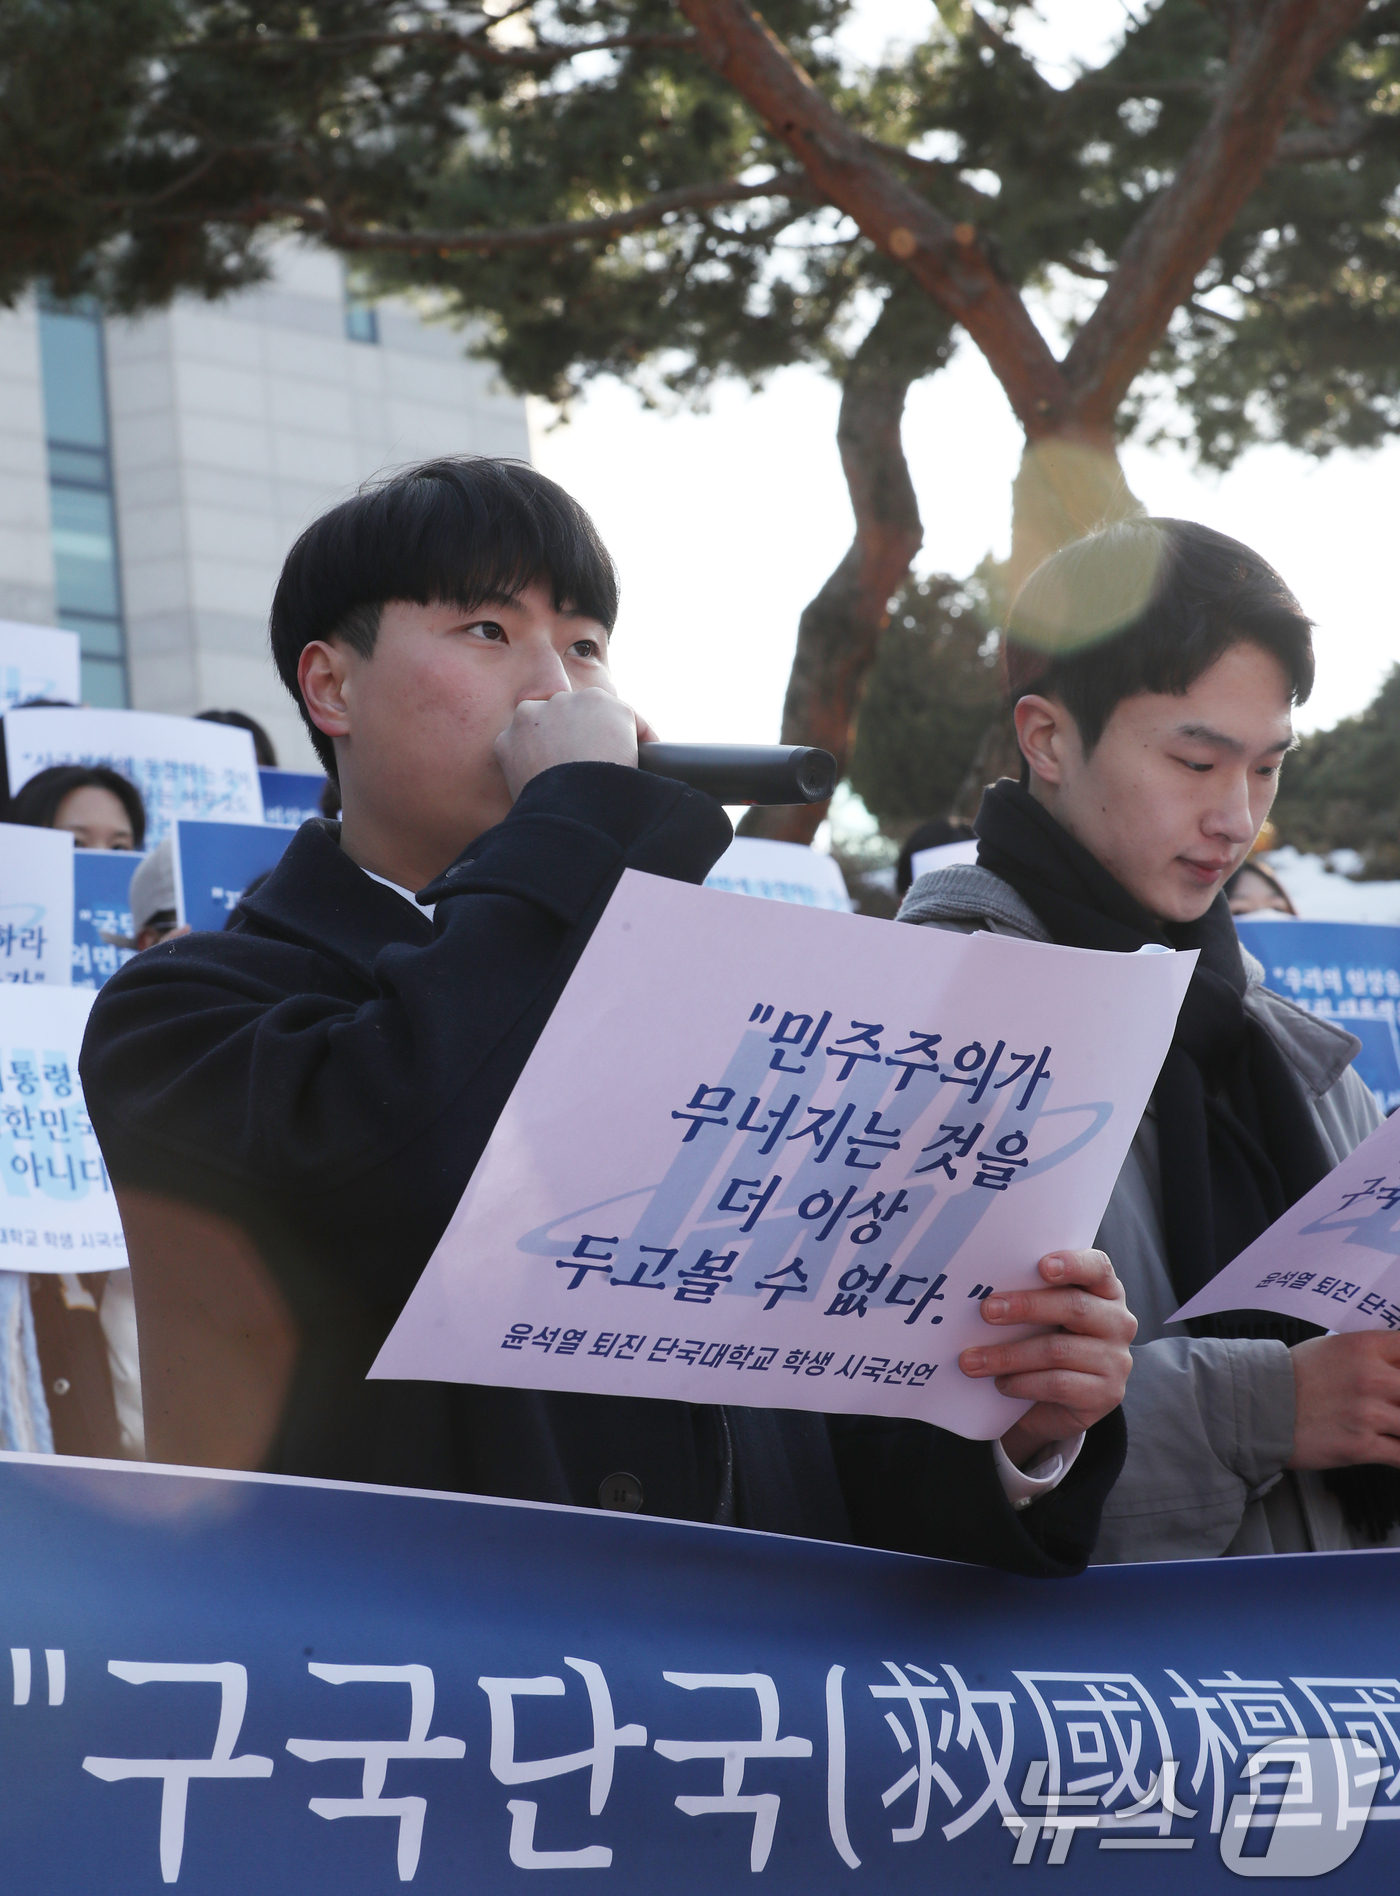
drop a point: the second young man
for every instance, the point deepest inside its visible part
(1153, 668)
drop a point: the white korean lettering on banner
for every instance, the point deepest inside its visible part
(598, 1760)
(36, 906)
(768, 1155)
(736, 1754)
(375, 1755)
(57, 1211)
(181, 766)
(1101, 1773)
(176, 1773)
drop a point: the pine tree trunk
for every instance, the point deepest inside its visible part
(839, 631)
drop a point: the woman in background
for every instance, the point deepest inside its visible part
(85, 1325)
(100, 807)
(1253, 887)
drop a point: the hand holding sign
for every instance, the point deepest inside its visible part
(1076, 1369)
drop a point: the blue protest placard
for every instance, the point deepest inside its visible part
(215, 862)
(102, 913)
(237, 1683)
(1348, 972)
(290, 797)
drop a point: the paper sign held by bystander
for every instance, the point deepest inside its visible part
(36, 906)
(181, 766)
(57, 1211)
(1333, 1258)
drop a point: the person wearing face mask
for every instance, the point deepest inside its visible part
(1153, 668)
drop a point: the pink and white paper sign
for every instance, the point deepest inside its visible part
(1333, 1258)
(775, 1156)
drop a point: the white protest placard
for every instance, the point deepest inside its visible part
(57, 1212)
(783, 872)
(38, 661)
(181, 766)
(1333, 1258)
(775, 1157)
(36, 906)
(943, 856)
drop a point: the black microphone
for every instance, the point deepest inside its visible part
(745, 773)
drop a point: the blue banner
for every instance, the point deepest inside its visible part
(215, 862)
(241, 1684)
(290, 796)
(101, 911)
(1345, 971)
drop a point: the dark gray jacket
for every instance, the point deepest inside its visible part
(1210, 1423)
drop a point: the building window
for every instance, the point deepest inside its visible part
(87, 576)
(361, 320)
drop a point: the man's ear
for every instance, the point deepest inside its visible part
(1043, 729)
(321, 671)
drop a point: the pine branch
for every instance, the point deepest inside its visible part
(1277, 54)
(944, 258)
(543, 56)
(315, 216)
(1345, 136)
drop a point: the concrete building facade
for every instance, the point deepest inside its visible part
(154, 472)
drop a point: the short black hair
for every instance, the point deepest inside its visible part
(36, 803)
(1146, 605)
(930, 835)
(263, 748)
(463, 530)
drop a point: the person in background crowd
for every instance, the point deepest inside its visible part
(1153, 668)
(931, 835)
(1253, 887)
(291, 1109)
(28, 704)
(101, 808)
(85, 1325)
(262, 744)
(152, 901)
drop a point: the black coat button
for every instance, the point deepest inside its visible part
(621, 1492)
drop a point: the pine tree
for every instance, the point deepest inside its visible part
(672, 194)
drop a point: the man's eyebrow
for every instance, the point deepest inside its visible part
(1222, 741)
